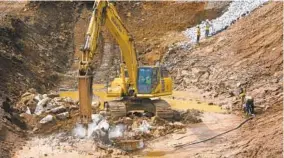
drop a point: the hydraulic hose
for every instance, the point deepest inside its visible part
(201, 141)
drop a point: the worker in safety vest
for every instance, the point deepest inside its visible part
(198, 34)
(148, 80)
(249, 105)
(148, 83)
(207, 27)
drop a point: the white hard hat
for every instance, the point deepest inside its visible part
(248, 97)
(239, 84)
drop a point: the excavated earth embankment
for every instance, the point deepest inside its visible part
(37, 49)
(248, 54)
(40, 41)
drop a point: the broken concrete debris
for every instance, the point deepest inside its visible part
(58, 109)
(126, 133)
(41, 104)
(28, 111)
(63, 116)
(46, 119)
(129, 133)
(191, 116)
(44, 108)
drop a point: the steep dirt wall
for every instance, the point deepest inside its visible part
(36, 45)
(249, 54)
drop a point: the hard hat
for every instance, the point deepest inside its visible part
(248, 97)
(239, 84)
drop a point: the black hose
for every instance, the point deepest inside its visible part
(197, 142)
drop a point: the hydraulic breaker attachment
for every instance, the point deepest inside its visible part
(85, 98)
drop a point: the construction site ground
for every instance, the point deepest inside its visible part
(39, 58)
(214, 121)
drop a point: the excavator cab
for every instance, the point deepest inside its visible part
(153, 81)
(147, 79)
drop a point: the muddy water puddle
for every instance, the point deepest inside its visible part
(180, 100)
(187, 101)
(155, 153)
(202, 106)
(98, 91)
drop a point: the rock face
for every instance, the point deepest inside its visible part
(247, 55)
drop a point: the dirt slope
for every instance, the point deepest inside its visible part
(152, 23)
(249, 54)
(36, 41)
(35, 46)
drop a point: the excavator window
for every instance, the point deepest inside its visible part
(164, 72)
(145, 80)
(155, 78)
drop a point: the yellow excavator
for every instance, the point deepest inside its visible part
(138, 87)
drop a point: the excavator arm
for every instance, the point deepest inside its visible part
(104, 14)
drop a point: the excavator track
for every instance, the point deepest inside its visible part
(160, 108)
(163, 109)
(117, 109)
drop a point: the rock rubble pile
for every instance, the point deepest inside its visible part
(39, 109)
(235, 11)
(42, 111)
